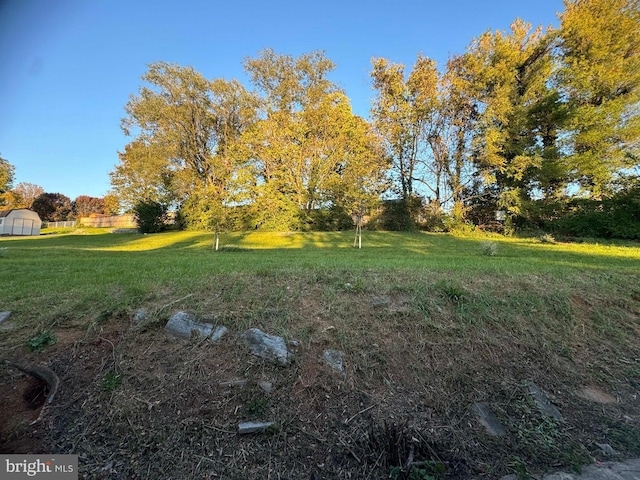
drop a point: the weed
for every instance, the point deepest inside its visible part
(489, 248)
(257, 407)
(41, 340)
(3, 252)
(452, 291)
(546, 238)
(111, 381)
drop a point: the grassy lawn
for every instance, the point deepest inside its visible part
(456, 326)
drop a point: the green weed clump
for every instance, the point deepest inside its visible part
(41, 340)
(489, 248)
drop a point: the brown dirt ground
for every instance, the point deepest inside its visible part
(134, 405)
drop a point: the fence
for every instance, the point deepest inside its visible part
(121, 221)
(70, 223)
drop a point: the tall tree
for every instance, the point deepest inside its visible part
(185, 128)
(6, 178)
(85, 205)
(306, 139)
(600, 78)
(403, 112)
(52, 207)
(28, 192)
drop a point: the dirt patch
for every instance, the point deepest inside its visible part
(134, 405)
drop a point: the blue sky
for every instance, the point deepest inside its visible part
(68, 67)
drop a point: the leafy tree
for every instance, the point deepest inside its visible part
(403, 112)
(150, 216)
(27, 192)
(186, 128)
(307, 143)
(6, 179)
(85, 205)
(600, 78)
(52, 207)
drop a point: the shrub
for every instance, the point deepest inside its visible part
(489, 248)
(150, 216)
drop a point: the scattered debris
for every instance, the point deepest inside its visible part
(254, 427)
(241, 382)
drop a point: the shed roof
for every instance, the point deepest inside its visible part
(5, 213)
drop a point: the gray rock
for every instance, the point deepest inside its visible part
(254, 427)
(335, 359)
(607, 449)
(269, 347)
(234, 383)
(379, 302)
(265, 386)
(542, 401)
(488, 419)
(182, 324)
(140, 315)
(4, 316)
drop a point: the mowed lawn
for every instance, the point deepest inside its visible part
(92, 271)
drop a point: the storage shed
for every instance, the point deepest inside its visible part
(19, 221)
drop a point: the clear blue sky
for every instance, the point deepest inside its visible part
(68, 67)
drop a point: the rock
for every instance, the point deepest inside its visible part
(140, 315)
(269, 347)
(265, 386)
(335, 359)
(488, 419)
(596, 395)
(379, 302)
(182, 324)
(234, 383)
(607, 449)
(542, 401)
(4, 316)
(253, 427)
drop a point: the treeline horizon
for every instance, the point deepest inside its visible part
(540, 125)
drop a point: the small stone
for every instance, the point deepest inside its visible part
(254, 427)
(335, 359)
(542, 401)
(234, 383)
(182, 324)
(140, 315)
(269, 347)
(596, 395)
(379, 302)
(294, 343)
(488, 419)
(4, 316)
(607, 449)
(265, 386)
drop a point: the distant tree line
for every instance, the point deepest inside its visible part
(541, 125)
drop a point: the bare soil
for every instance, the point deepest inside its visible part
(134, 405)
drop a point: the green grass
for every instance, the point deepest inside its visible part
(95, 271)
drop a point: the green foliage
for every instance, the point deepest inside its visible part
(43, 339)
(150, 216)
(615, 217)
(6, 175)
(489, 248)
(111, 381)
